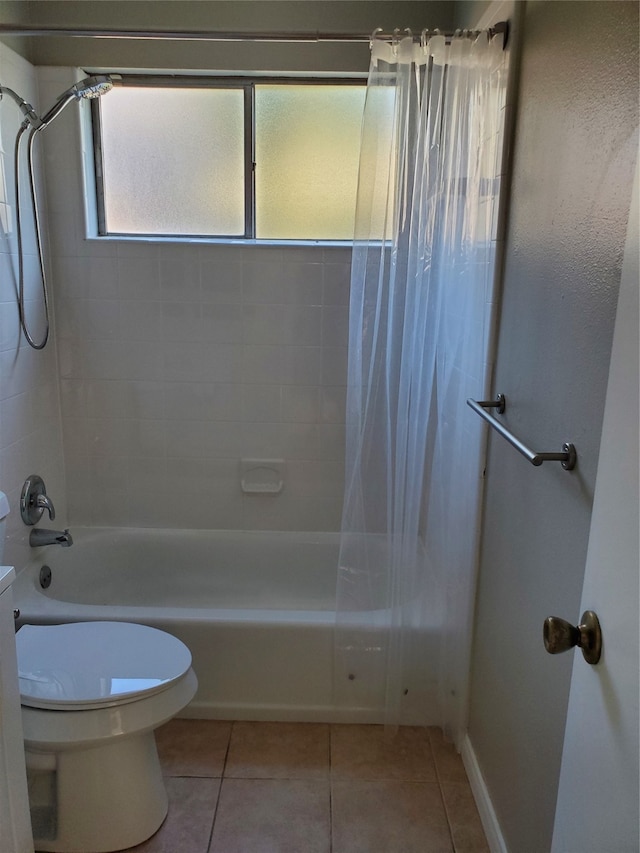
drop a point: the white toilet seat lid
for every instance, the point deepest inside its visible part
(96, 664)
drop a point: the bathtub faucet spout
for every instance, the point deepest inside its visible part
(39, 537)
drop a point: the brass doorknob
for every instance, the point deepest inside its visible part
(559, 636)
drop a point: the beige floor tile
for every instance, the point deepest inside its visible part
(449, 764)
(466, 827)
(367, 752)
(388, 817)
(187, 827)
(272, 816)
(193, 747)
(278, 751)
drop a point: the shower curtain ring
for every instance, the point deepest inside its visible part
(373, 36)
(395, 40)
(424, 38)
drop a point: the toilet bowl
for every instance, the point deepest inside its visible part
(91, 694)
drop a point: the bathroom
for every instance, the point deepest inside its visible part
(109, 354)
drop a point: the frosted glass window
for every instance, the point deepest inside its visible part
(239, 157)
(173, 161)
(307, 147)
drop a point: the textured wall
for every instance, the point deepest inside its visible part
(575, 148)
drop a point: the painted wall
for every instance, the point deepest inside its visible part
(575, 147)
(469, 13)
(248, 15)
(30, 426)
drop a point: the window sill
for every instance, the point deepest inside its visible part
(219, 241)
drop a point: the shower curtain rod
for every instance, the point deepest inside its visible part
(211, 35)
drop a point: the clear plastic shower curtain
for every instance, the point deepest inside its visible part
(420, 316)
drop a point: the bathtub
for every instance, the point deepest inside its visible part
(256, 609)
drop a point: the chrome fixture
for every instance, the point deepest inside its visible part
(27, 110)
(567, 457)
(287, 36)
(560, 636)
(90, 87)
(39, 536)
(34, 500)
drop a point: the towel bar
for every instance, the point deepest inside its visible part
(567, 457)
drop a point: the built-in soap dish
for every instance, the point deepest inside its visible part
(262, 476)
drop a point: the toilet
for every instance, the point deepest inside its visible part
(92, 694)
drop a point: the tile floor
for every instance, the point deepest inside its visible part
(246, 787)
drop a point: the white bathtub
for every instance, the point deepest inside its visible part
(255, 608)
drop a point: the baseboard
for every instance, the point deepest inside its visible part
(279, 713)
(214, 710)
(488, 817)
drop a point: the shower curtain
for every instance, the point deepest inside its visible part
(421, 316)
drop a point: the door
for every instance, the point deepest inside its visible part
(597, 807)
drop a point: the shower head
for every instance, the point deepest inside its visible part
(90, 87)
(93, 87)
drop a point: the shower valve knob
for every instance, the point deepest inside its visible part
(560, 636)
(34, 500)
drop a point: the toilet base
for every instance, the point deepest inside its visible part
(105, 798)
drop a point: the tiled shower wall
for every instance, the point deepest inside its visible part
(30, 434)
(177, 360)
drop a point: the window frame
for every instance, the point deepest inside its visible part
(247, 83)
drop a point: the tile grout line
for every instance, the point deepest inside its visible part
(441, 779)
(330, 726)
(222, 776)
(442, 797)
